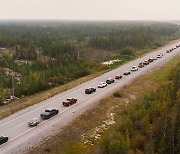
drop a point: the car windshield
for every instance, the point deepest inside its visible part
(48, 110)
(46, 113)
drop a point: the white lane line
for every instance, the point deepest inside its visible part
(21, 134)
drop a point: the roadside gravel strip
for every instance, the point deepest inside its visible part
(21, 136)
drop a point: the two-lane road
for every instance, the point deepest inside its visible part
(22, 136)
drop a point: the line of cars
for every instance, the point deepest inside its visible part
(91, 90)
(171, 49)
(48, 113)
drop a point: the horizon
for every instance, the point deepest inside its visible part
(94, 10)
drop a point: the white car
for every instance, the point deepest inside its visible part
(134, 68)
(102, 84)
(34, 122)
(154, 58)
(159, 55)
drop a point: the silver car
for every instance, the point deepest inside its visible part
(34, 122)
(102, 84)
(134, 68)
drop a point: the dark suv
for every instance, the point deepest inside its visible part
(90, 90)
(49, 113)
(109, 81)
(3, 139)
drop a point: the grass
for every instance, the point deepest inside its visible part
(69, 140)
(27, 101)
(117, 94)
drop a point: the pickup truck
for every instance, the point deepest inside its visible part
(3, 139)
(69, 101)
(90, 90)
(49, 113)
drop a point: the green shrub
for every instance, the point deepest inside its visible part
(117, 94)
(48, 150)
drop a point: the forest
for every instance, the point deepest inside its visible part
(152, 125)
(38, 55)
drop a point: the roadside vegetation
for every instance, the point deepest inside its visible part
(37, 56)
(142, 117)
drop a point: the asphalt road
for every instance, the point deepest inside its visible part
(21, 136)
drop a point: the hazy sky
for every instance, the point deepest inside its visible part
(90, 9)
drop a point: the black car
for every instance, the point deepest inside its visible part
(90, 90)
(109, 81)
(127, 73)
(150, 60)
(3, 139)
(49, 113)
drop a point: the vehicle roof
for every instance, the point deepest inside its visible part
(46, 113)
(2, 136)
(90, 88)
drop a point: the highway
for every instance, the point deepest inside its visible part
(21, 136)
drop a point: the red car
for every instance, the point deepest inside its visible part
(69, 101)
(141, 65)
(118, 76)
